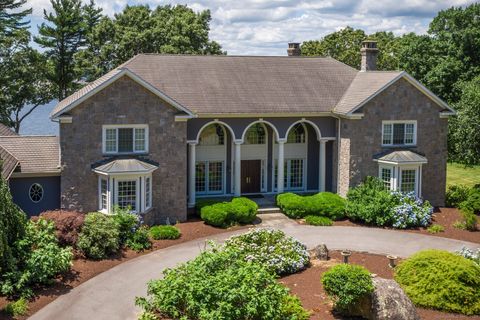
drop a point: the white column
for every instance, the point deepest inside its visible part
(238, 173)
(280, 166)
(191, 174)
(321, 166)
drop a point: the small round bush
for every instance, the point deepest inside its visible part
(164, 232)
(326, 204)
(217, 215)
(318, 221)
(441, 280)
(68, 225)
(127, 223)
(271, 248)
(139, 240)
(346, 284)
(245, 210)
(436, 228)
(292, 205)
(17, 308)
(99, 237)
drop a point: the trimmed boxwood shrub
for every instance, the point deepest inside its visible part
(225, 214)
(346, 284)
(139, 240)
(217, 285)
(441, 280)
(99, 237)
(472, 203)
(318, 221)
(164, 232)
(271, 248)
(321, 204)
(127, 223)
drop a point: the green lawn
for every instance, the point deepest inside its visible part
(459, 174)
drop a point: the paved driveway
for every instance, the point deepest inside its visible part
(111, 294)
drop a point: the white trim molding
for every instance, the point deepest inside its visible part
(106, 127)
(404, 122)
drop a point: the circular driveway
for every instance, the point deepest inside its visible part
(111, 294)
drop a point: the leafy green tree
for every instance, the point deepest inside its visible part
(12, 228)
(343, 45)
(464, 134)
(25, 85)
(62, 35)
(12, 20)
(139, 29)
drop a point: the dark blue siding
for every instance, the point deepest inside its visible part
(20, 187)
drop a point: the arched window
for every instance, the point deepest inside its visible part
(296, 134)
(255, 134)
(212, 135)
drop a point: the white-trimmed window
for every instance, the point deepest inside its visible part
(132, 191)
(395, 133)
(297, 134)
(125, 139)
(209, 177)
(401, 177)
(293, 176)
(256, 134)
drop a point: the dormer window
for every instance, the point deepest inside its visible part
(124, 139)
(399, 133)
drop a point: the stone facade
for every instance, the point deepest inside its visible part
(361, 139)
(125, 102)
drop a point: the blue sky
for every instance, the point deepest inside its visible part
(258, 27)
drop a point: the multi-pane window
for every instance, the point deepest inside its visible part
(293, 174)
(408, 180)
(148, 193)
(255, 134)
(125, 139)
(209, 177)
(127, 194)
(103, 194)
(399, 133)
(386, 177)
(212, 135)
(296, 134)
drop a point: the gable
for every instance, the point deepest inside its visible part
(100, 84)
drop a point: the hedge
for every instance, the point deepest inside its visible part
(225, 214)
(321, 204)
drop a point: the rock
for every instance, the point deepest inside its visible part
(320, 252)
(387, 302)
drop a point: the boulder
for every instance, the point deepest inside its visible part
(320, 252)
(387, 302)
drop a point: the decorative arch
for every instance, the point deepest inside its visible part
(263, 122)
(197, 140)
(315, 127)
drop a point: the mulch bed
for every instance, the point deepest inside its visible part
(307, 286)
(83, 269)
(442, 216)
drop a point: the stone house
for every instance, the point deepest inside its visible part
(161, 131)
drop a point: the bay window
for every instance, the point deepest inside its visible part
(125, 139)
(395, 133)
(403, 178)
(125, 183)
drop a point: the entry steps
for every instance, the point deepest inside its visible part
(269, 210)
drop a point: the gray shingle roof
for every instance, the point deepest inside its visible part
(6, 131)
(363, 86)
(247, 84)
(35, 154)
(400, 156)
(117, 166)
(8, 163)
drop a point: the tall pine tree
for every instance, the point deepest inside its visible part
(11, 19)
(62, 36)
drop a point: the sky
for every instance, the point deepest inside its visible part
(259, 27)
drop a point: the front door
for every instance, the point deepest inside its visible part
(251, 176)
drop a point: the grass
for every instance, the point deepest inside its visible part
(459, 174)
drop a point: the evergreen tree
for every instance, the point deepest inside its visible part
(12, 228)
(12, 20)
(62, 36)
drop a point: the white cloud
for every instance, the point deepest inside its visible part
(264, 27)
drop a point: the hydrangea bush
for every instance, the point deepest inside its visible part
(470, 254)
(272, 248)
(411, 211)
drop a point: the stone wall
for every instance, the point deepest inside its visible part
(125, 102)
(361, 139)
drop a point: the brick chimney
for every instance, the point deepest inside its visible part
(294, 49)
(369, 52)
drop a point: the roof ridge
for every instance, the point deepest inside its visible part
(226, 56)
